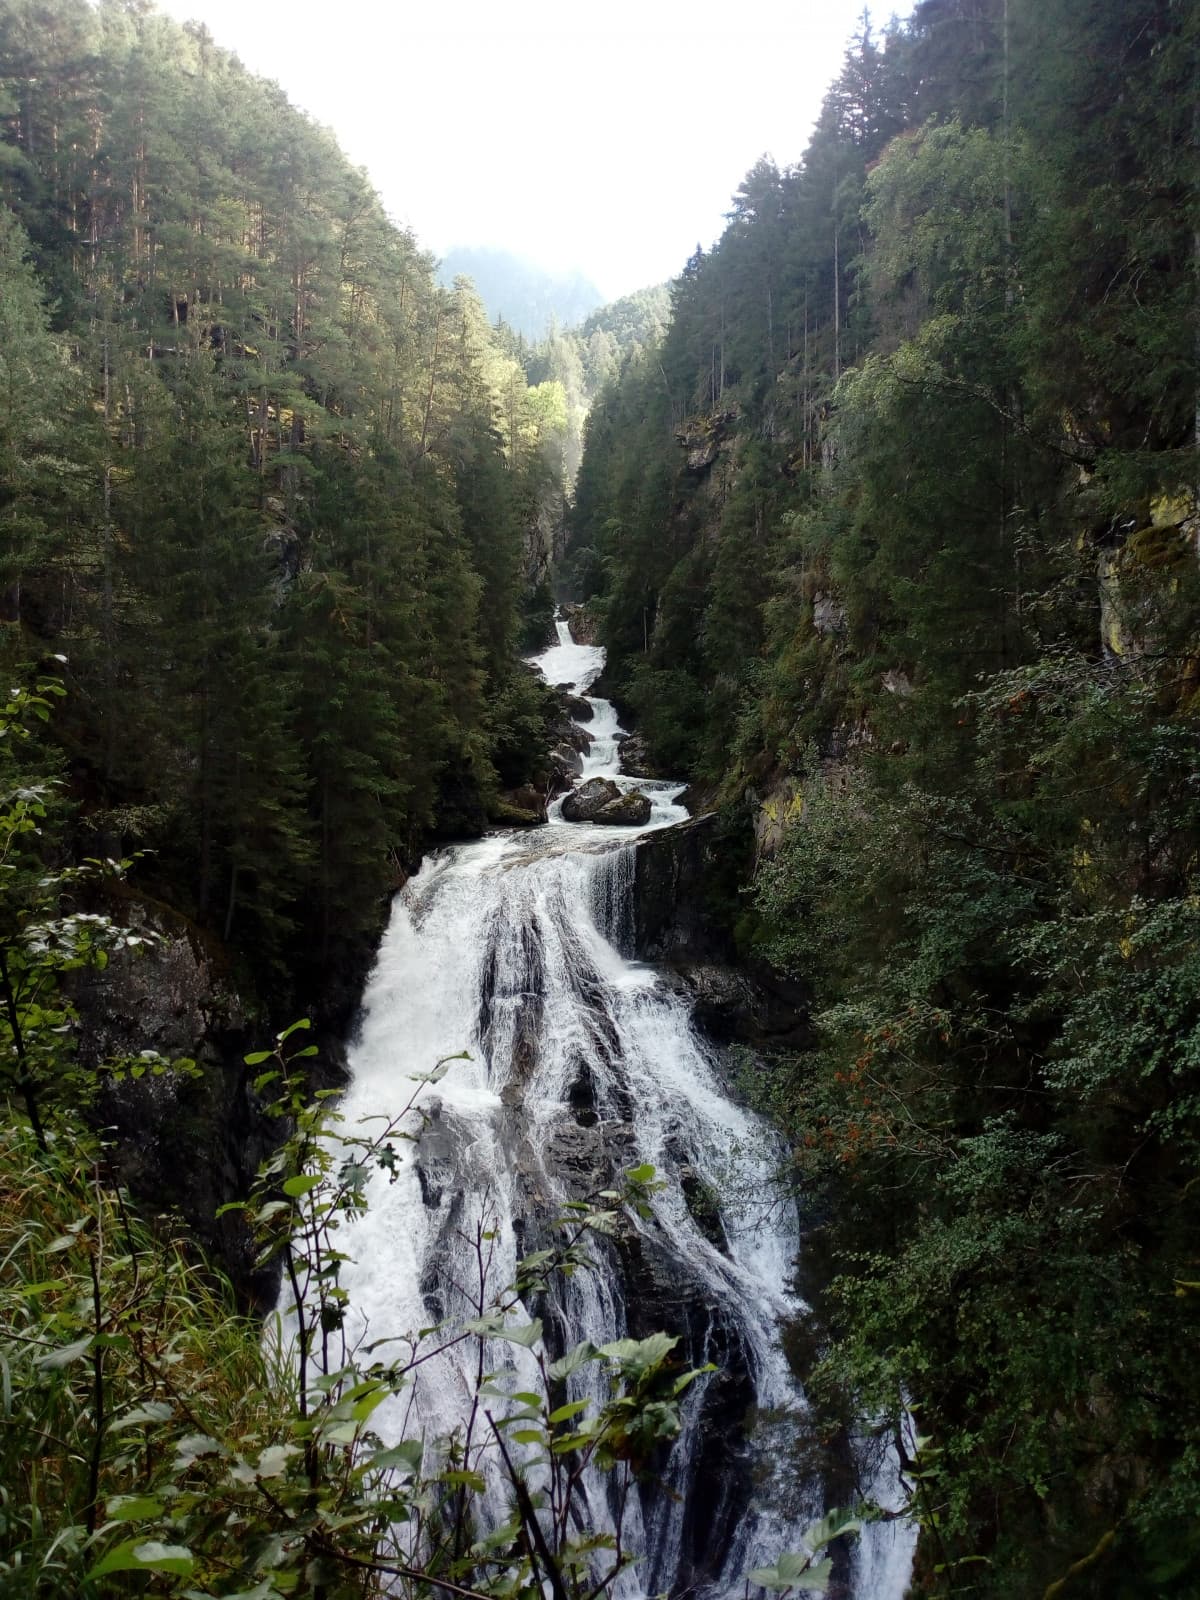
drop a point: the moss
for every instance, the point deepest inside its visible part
(1159, 545)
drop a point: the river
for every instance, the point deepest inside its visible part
(516, 949)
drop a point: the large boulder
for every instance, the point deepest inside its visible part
(519, 808)
(583, 803)
(635, 758)
(583, 625)
(600, 800)
(567, 759)
(630, 810)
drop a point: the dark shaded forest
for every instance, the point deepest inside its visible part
(893, 544)
(277, 499)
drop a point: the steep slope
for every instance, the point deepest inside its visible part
(893, 545)
(272, 492)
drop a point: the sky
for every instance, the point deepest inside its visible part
(605, 138)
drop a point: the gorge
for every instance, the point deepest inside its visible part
(881, 521)
(582, 1062)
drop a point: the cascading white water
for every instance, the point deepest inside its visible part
(583, 1062)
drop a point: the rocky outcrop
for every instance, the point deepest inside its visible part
(702, 438)
(567, 758)
(184, 1143)
(829, 614)
(591, 797)
(601, 800)
(630, 810)
(583, 625)
(679, 924)
(674, 920)
(636, 759)
(749, 1003)
(519, 808)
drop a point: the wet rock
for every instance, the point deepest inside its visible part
(589, 798)
(630, 810)
(583, 1156)
(566, 732)
(704, 1205)
(749, 1004)
(519, 808)
(583, 626)
(582, 710)
(674, 920)
(567, 758)
(635, 758)
(679, 923)
(181, 1143)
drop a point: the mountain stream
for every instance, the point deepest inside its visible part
(583, 1063)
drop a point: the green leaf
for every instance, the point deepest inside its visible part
(302, 1183)
(407, 1454)
(573, 1360)
(526, 1337)
(257, 1057)
(640, 1353)
(832, 1526)
(274, 1459)
(150, 1411)
(464, 1480)
(147, 1555)
(132, 1507)
(64, 1357)
(194, 1446)
(571, 1409)
(793, 1571)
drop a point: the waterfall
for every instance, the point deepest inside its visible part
(517, 949)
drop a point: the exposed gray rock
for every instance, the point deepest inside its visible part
(589, 798)
(582, 710)
(630, 810)
(569, 759)
(570, 733)
(829, 615)
(672, 876)
(635, 758)
(897, 682)
(581, 623)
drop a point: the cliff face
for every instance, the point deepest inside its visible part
(186, 1144)
(682, 923)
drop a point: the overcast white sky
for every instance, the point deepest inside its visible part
(606, 137)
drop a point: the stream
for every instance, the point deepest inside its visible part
(582, 1063)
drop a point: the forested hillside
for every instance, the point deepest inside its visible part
(893, 543)
(271, 492)
(581, 360)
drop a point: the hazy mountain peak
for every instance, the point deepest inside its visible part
(526, 295)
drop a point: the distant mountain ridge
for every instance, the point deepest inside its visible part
(527, 296)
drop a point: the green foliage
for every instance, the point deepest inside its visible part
(893, 542)
(274, 493)
(149, 1429)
